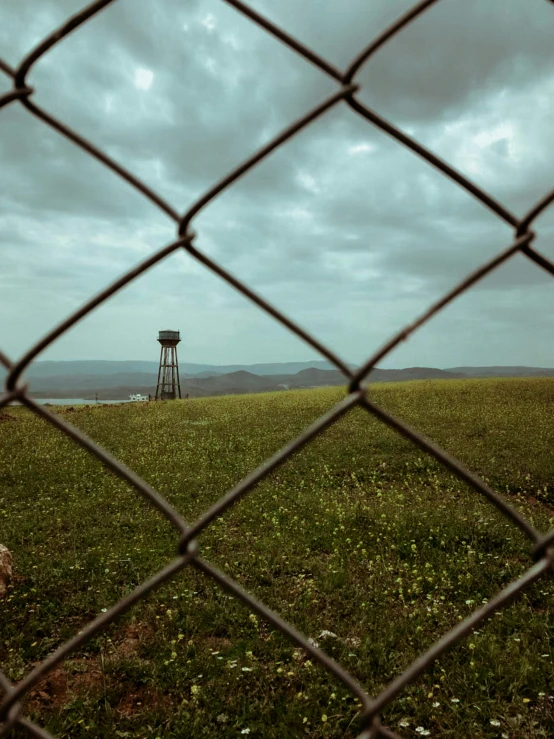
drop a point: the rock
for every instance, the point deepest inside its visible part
(6, 560)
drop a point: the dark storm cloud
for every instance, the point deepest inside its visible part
(342, 227)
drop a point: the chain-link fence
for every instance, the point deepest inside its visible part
(358, 393)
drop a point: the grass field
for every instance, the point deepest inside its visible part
(360, 535)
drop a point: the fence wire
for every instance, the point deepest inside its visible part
(358, 393)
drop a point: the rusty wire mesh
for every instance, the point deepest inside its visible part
(358, 395)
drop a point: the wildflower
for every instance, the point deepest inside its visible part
(436, 704)
(324, 718)
(422, 731)
(246, 669)
(195, 689)
(245, 731)
(455, 700)
(404, 723)
(494, 722)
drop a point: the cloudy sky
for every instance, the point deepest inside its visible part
(342, 228)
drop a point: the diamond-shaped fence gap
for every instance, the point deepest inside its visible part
(139, 88)
(181, 287)
(328, 226)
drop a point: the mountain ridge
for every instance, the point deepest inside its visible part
(120, 385)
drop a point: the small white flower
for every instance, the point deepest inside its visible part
(325, 633)
(422, 731)
(404, 723)
(454, 700)
(245, 731)
(436, 704)
(494, 722)
(246, 669)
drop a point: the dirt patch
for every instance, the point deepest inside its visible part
(83, 678)
(142, 699)
(133, 636)
(77, 678)
(52, 691)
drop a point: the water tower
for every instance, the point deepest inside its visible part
(168, 387)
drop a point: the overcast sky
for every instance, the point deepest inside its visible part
(343, 229)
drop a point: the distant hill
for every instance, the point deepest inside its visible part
(104, 367)
(117, 380)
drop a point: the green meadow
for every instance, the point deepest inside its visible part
(363, 542)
